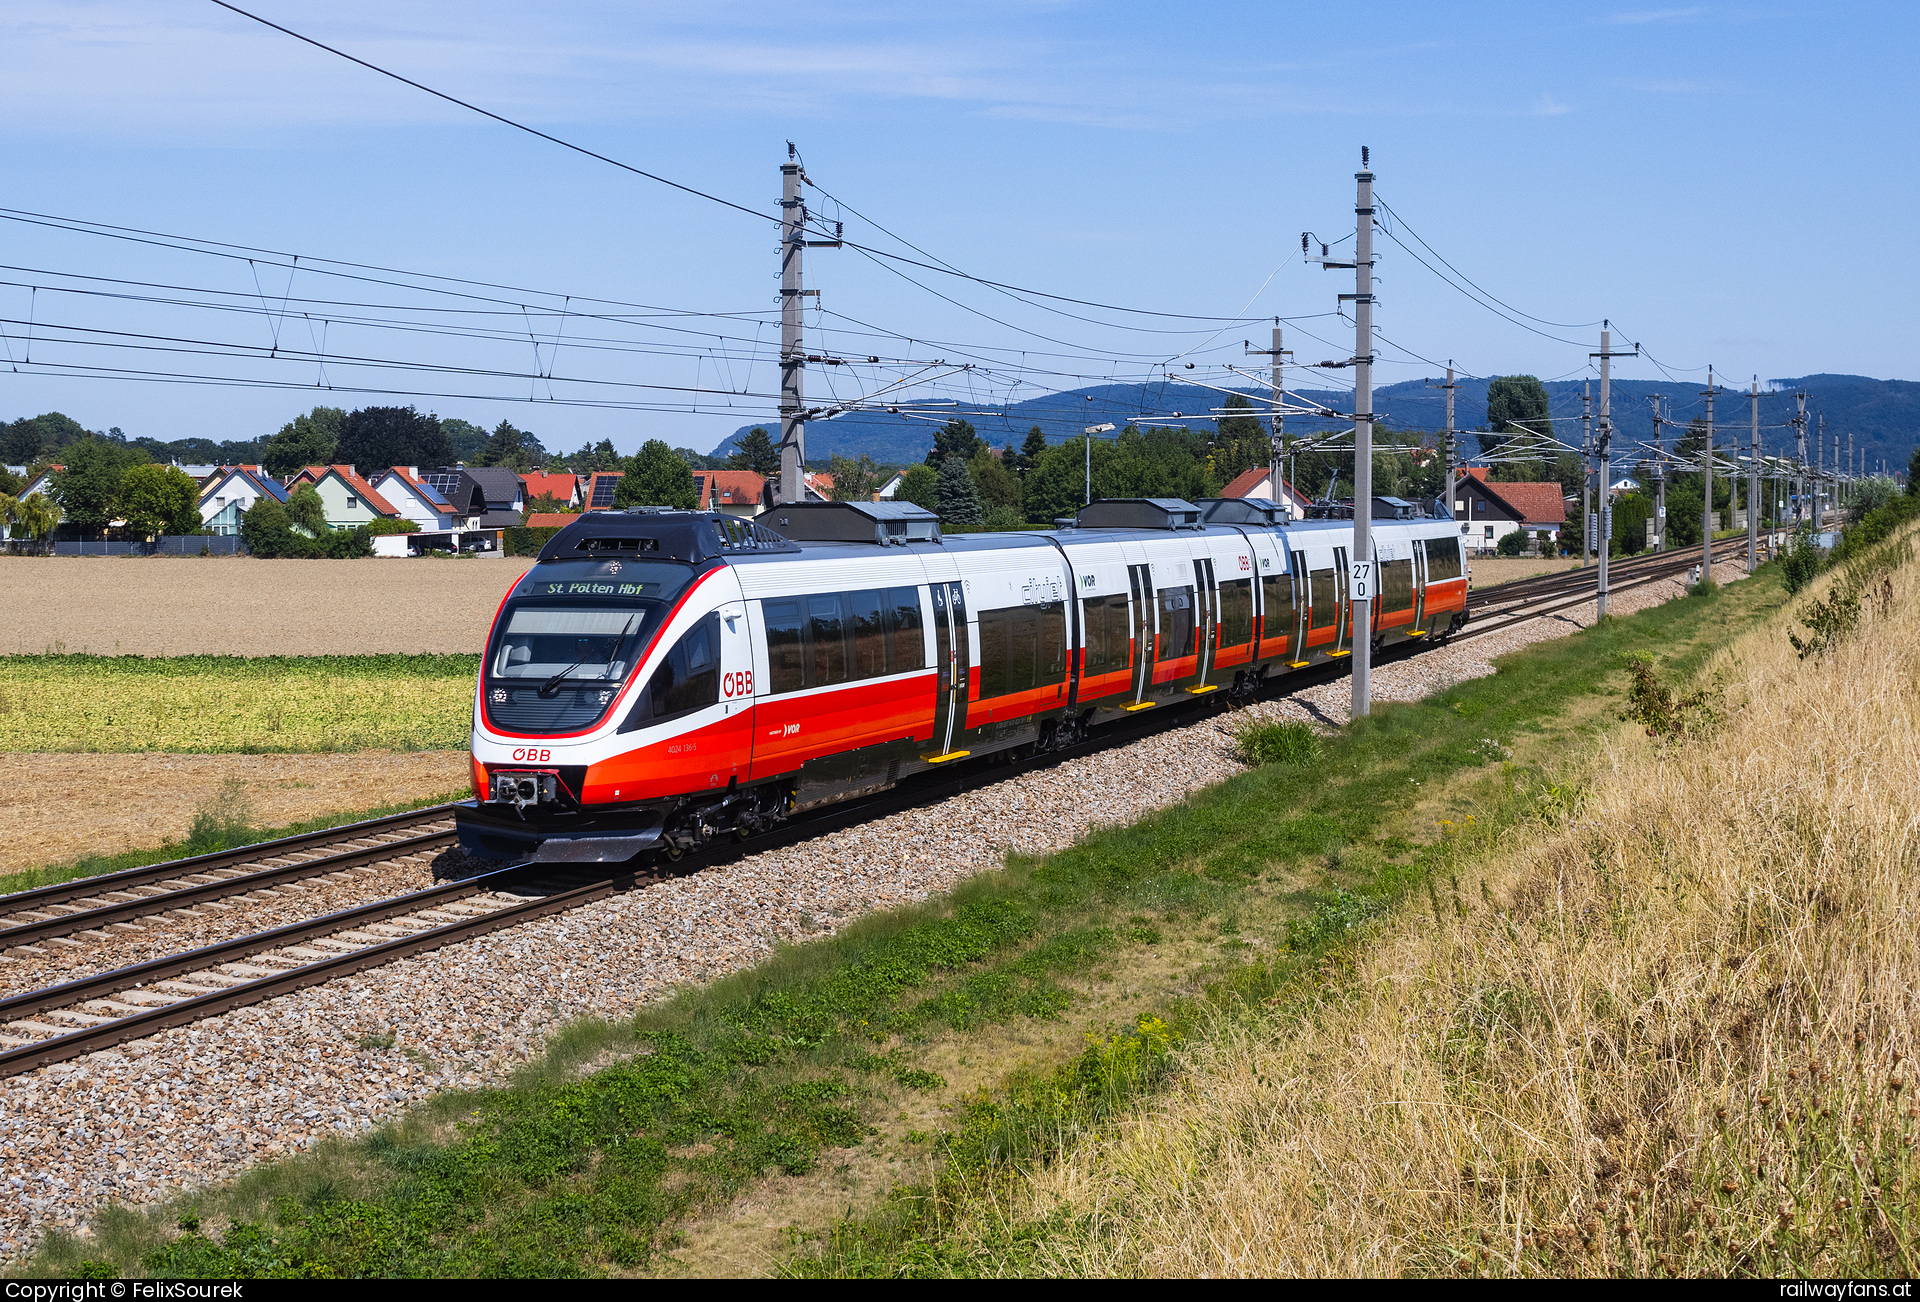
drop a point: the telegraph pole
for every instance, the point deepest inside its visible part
(1587, 525)
(1363, 567)
(1603, 536)
(1709, 517)
(1819, 473)
(1753, 485)
(1659, 475)
(1799, 456)
(1276, 451)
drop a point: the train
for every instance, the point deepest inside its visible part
(658, 679)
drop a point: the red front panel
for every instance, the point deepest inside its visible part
(1447, 595)
(703, 759)
(790, 730)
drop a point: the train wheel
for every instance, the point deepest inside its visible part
(673, 852)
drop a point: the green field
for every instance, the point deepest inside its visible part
(214, 704)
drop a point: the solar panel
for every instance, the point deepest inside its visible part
(603, 489)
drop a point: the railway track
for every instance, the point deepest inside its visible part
(91, 905)
(58, 1023)
(1550, 594)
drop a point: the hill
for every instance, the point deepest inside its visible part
(1883, 415)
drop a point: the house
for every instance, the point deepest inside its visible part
(892, 486)
(42, 484)
(1257, 484)
(734, 492)
(564, 489)
(349, 499)
(818, 487)
(227, 494)
(550, 519)
(597, 493)
(505, 496)
(417, 500)
(1489, 511)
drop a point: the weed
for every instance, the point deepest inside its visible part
(1654, 707)
(1277, 743)
(224, 821)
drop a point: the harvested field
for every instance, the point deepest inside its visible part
(60, 807)
(210, 704)
(236, 605)
(1488, 571)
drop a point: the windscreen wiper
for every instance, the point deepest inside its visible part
(552, 685)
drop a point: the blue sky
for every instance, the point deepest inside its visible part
(1730, 184)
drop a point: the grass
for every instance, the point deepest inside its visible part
(593, 1159)
(213, 704)
(224, 822)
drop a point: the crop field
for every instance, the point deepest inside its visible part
(239, 606)
(223, 704)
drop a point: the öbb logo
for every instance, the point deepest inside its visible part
(532, 754)
(737, 684)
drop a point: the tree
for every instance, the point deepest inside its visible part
(37, 438)
(159, 499)
(265, 529)
(516, 449)
(88, 489)
(465, 438)
(1239, 443)
(374, 438)
(855, 481)
(10, 483)
(755, 451)
(921, 486)
(548, 504)
(1516, 406)
(958, 501)
(307, 440)
(307, 512)
(35, 515)
(655, 476)
(1032, 450)
(956, 437)
(997, 485)
(1913, 473)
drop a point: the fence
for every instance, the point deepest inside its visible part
(190, 544)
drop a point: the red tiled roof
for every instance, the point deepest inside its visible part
(355, 485)
(550, 519)
(728, 488)
(561, 486)
(1252, 479)
(421, 489)
(1537, 503)
(1477, 472)
(591, 489)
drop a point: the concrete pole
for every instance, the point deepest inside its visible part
(1709, 516)
(1362, 560)
(1799, 457)
(1753, 485)
(1602, 542)
(1453, 484)
(793, 359)
(1586, 484)
(1819, 472)
(1277, 445)
(1659, 475)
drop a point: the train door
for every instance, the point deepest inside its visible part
(1343, 605)
(1302, 594)
(1206, 614)
(951, 659)
(1419, 586)
(1140, 582)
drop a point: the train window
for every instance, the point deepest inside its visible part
(1324, 598)
(869, 627)
(1276, 591)
(1443, 559)
(909, 643)
(1396, 585)
(827, 640)
(1236, 612)
(786, 646)
(1109, 639)
(688, 679)
(1021, 648)
(1177, 633)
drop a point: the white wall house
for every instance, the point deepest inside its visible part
(416, 500)
(225, 497)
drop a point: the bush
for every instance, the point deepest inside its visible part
(1512, 544)
(1803, 561)
(384, 528)
(1277, 743)
(526, 542)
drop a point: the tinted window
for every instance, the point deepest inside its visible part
(1236, 612)
(1396, 585)
(687, 679)
(786, 646)
(1177, 634)
(868, 623)
(1021, 648)
(1109, 640)
(908, 645)
(1324, 600)
(1276, 592)
(1443, 559)
(827, 637)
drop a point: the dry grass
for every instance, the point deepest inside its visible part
(1489, 571)
(190, 605)
(1669, 1030)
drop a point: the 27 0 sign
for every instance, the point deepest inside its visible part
(737, 684)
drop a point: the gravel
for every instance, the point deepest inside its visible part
(197, 1104)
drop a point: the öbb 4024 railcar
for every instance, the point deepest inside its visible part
(660, 678)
